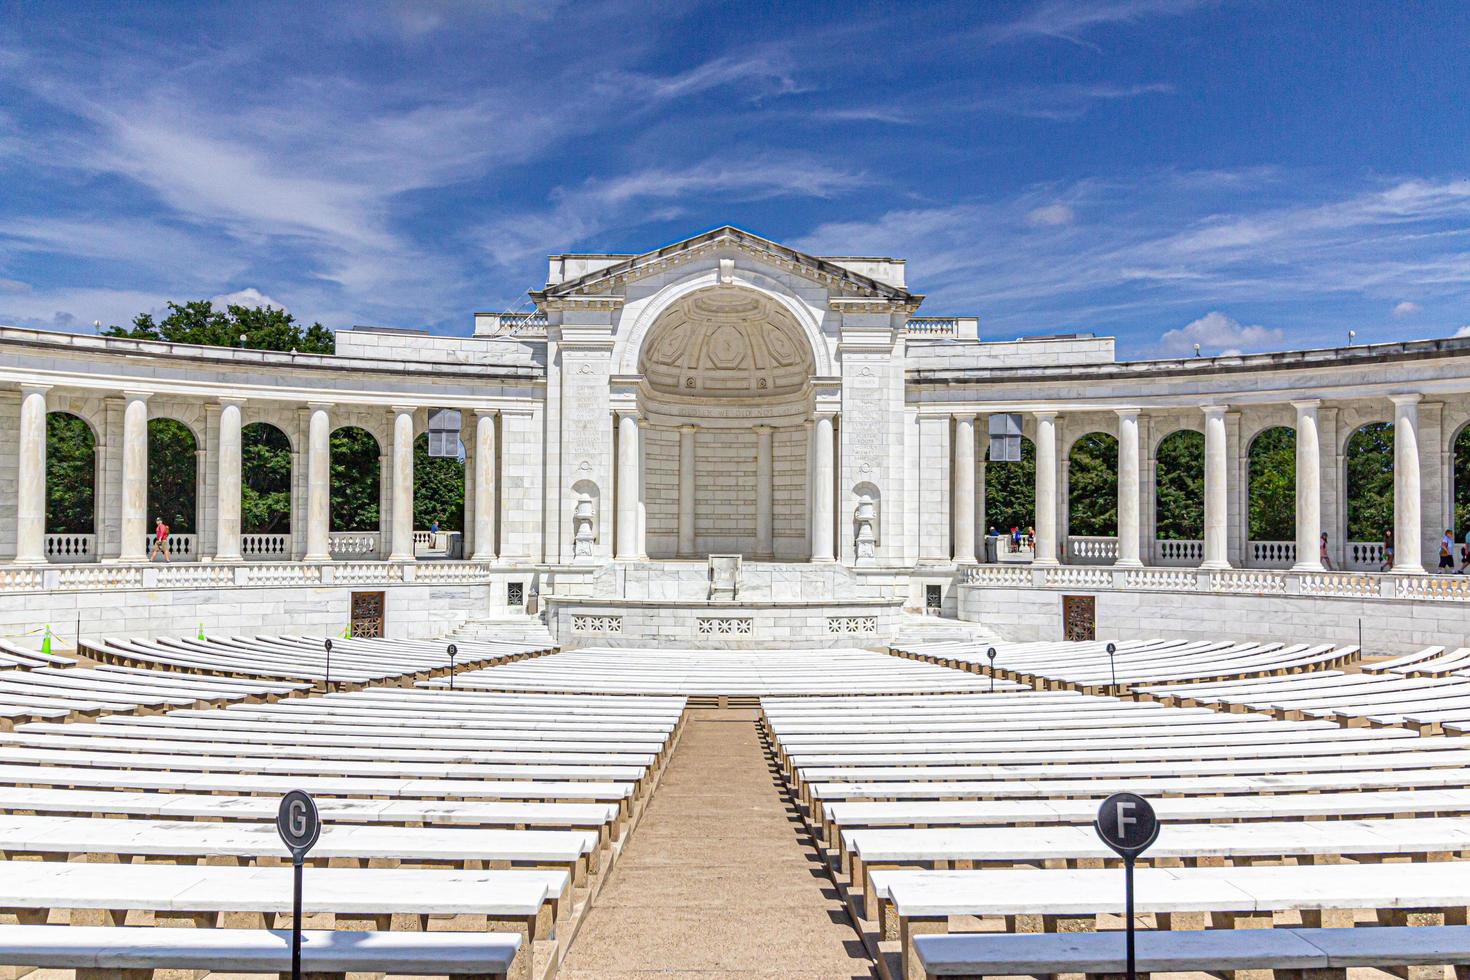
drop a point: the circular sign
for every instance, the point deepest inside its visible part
(1112, 648)
(298, 823)
(329, 645)
(452, 651)
(1126, 823)
(990, 653)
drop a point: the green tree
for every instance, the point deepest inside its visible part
(1462, 482)
(198, 322)
(265, 486)
(71, 461)
(1369, 461)
(355, 480)
(1010, 492)
(1180, 487)
(172, 475)
(1272, 462)
(438, 488)
(1092, 497)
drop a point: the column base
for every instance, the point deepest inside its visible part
(1215, 566)
(316, 559)
(821, 561)
(1408, 570)
(1045, 563)
(489, 557)
(1307, 566)
(1128, 563)
(30, 561)
(966, 560)
(402, 557)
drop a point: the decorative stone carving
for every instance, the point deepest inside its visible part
(865, 518)
(583, 535)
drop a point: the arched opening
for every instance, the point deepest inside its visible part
(173, 478)
(1271, 498)
(1010, 503)
(1368, 466)
(1092, 481)
(725, 397)
(265, 492)
(71, 489)
(1462, 482)
(1179, 505)
(355, 493)
(438, 500)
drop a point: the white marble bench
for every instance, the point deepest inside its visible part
(1328, 953)
(100, 951)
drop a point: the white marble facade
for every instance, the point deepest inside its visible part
(729, 395)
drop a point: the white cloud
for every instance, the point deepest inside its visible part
(1406, 308)
(1217, 333)
(1068, 20)
(250, 297)
(1051, 215)
(1463, 331)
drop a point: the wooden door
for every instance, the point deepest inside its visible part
(367, 614)
(1079, 617)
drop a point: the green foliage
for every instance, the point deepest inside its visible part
(356, 477)
(1092, 498)
(199, 322)
(438, 489)
(1462, 483)
(71, 461)
(1369, 460)
(172, 475)
(1180, 489)
(1010, 492)
(1272, 464)
(265, 486)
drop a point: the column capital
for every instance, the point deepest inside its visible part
(965, 417)
(688, 427)
(34, 388)
(321, 406)
(486, 412)
(137, 396)
(1307, 404)
(1049, 414)
(760, 430)
(1124, 413)
(403, 409)
(1215, 410)
(1406, 398)
(235, 400)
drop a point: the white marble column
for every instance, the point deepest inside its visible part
(964, 489)
(318, 483)
(484, 485)
(30, 490)
(1308, 488)
(630, 540)
(402, 549)
(1217, 538)
(227, 482)
(1046, 488)
(1407, 502)
(822, 484)
(686, 490)
(1128, 534)
(763, 470)
(134, 527)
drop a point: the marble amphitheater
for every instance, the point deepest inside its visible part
(750, 675)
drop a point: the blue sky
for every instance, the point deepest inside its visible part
(1249, 175)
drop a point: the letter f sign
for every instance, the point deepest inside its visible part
(1125, 817)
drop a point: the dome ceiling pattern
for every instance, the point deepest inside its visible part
(726, 343)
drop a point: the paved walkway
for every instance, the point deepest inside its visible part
(720, 879)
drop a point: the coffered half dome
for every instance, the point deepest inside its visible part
(726, 342)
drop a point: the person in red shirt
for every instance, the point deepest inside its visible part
(160, 539)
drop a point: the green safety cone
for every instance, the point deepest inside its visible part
(201, 632)
(46, 641)
(347, 632)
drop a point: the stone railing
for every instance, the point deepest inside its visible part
(1271, 554)
(1092, 550)
(71, 547)
(265, 547)
(1178, 552)
(1364, 556)
(181, 547)
(1246, 581)
(943, 327)
(354, 544)
(195, 575)
(520, 325)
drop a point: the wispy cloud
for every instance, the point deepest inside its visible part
(1071, 20)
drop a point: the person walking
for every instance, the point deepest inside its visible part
(1387, 551)
(1322, 556)
(1465, 551)
(160, 539)
(1447, 550)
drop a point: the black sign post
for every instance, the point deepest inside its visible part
(328, 645)
(299, 827)
(452, 651)
(1127, 824)
(991, 654)
(1112, 649)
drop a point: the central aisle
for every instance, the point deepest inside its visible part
(719, 879)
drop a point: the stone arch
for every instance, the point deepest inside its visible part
(628, 349)
(1092, 485)
(356, 481)
(173, 475)
(265, 479)
(1460, 479)
(71, 482)
(1271, 484)
(1179, 486)
(438, 487)
(1367, 461)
